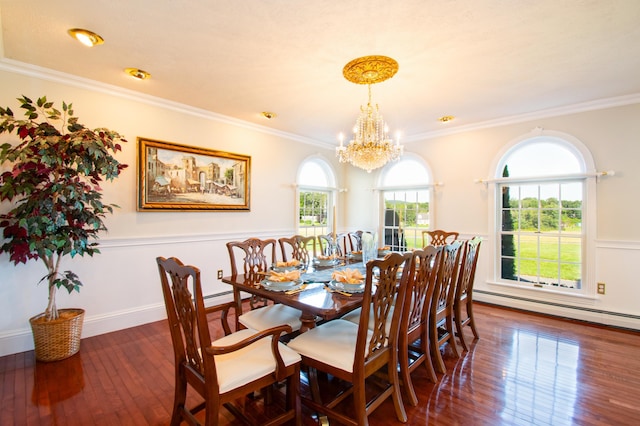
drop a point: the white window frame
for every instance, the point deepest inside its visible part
(330, 189)
(588, 175)
(382, 189)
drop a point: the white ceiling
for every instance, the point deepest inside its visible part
(484, 61)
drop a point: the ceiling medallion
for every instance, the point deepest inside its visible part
(370, 69)
(371, 147)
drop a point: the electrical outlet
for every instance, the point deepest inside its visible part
(600, 288)
(219, 274)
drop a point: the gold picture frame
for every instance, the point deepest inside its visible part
(172, 176)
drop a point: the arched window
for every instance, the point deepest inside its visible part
(542, 183)
(405, 192)
(316, 187)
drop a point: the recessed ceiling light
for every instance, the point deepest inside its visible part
(269, 115)
(86, 37)
(138, 74)
(446, 118)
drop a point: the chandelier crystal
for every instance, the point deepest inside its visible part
(371, 146)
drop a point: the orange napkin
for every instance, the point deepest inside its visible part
(348, 276)
(322, 257)
(294, 262)
(284, 276)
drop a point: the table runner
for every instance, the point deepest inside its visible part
(324, 276)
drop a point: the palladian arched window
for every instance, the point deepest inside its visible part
(316, 193)
(405, 191)
(541, 187)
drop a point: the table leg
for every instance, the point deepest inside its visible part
(308, 322)
(238, 299)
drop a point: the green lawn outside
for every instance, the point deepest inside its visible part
(570, 255)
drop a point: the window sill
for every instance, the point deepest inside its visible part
(555, 295)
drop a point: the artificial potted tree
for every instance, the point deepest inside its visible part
(52, 184)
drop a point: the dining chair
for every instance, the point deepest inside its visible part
(298, 248)
(227, 369)
(354, 352)
(355, 240)
(256, 257)
(345, 244)
(463, 301)
(438, 237)
(441, 326)
(414, 342)
(324, 242)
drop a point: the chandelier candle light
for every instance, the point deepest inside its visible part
(371, 147)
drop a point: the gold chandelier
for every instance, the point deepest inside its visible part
(371, 147)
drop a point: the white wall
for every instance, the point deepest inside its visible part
(121, 284)
(612, 136)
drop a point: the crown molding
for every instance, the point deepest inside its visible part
(47, 74)
(514, 119)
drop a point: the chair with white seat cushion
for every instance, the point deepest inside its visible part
(463, 301)
(257, 256)
(226, 370)
(439, 237)
(299, 248)
(441, 324)
(342, 244)
(414, 344)
(354, 352)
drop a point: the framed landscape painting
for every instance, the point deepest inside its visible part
(179, 177)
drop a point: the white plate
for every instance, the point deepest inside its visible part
(286, 268)
(348, 288)
(281, 285)
(383, 253)
(325, 262)
(356, 256)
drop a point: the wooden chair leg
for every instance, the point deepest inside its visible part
(360, 405)
(179, 400)
(293, 397)
(211, 416)
(401, 414)
(407, 384)
(435, 349)
(425, 343)
(452, 336)
(472, 321)
(460, 327)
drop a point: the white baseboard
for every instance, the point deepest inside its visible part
(22, 340)
(595, 316)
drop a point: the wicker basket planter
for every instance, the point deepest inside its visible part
(57, 339)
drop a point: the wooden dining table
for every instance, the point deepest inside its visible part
(316, 300)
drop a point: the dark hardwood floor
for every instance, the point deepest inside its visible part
(525, 369)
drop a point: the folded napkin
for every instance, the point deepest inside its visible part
(284, 276)
(348, 276)
(322, 257)
(294, 262)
